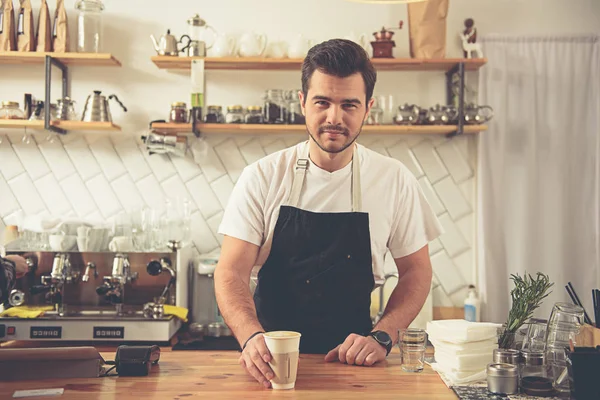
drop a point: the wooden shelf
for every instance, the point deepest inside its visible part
(168, 128)
(294, 64)
(66, 125)
(69, 59)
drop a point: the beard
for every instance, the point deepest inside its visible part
(345, 139)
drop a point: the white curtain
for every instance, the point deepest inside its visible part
(539, 168)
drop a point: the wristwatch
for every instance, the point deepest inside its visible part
(383, 339)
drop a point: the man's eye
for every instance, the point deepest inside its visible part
(349, 105)
(321, 103)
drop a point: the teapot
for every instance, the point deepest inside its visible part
(475, 114)
(252, 45)
(408, 114)
(167, 46)
(299, 47)
(440, 115)
(224, 46)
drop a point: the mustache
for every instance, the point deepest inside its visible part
(333, 128)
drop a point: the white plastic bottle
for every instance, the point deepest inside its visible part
(472, 306)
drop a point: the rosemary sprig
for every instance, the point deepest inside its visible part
(527, 296)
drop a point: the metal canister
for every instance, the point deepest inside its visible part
(507, 356)
(502, 378)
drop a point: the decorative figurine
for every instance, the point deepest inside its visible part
(469, 40)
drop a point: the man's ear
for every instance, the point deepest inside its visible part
(302, 102)
(369, 105)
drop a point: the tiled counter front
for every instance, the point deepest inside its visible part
(97, 177)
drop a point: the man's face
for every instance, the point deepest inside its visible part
(335, 110)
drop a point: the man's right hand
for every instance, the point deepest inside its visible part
(255, 358)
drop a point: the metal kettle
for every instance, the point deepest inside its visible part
(167, 46)
(97, 109)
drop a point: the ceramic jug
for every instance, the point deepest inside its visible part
(299, 47)
(252, 45)
(224, 46)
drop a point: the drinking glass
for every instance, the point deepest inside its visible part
(535, 339)
(412, 343)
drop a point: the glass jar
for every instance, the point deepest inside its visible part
(178, 113)
(533, 363)
(89, 26)
(214, 115)
(275, 107)
(235, 115)
(254, 115)
(11, 110)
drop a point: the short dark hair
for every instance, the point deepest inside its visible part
(341, 58)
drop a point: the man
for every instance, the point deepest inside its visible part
(318, 218)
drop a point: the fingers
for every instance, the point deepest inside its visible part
(261, 346)
(332, 355)
(357, 347)
(346, 346)
(255, 358)
(362, 355)
(372, 359)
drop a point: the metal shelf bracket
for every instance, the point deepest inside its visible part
(51, 61)
(460, 70)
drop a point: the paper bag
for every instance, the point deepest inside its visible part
(427, 24)
(7, 27)
(44, 29)
(60, 37)
(25, 31)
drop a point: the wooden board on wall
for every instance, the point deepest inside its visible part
(448, 313)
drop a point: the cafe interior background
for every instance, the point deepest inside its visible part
(522, 195)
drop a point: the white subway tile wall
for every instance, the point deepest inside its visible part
(99, 177)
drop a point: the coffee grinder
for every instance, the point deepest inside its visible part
(383, 46)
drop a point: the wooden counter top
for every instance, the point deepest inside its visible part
(217, 374)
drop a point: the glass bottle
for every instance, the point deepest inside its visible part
(11, 110)
(235, 115)
(254, 115)
(214, 115)
(89, 26)
(275, 108)
(178, 113)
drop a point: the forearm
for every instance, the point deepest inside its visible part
(236, 304)
(406, 301)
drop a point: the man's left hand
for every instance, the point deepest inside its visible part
(358, 350)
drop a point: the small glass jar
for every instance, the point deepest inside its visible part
(533, 363)
(235, 115)
(179, 113)
(11, 110)
(275, 108)
(254, 115)
(214, 115)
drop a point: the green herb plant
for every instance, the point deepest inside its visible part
(527, 296)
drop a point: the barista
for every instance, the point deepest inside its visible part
(318, 218)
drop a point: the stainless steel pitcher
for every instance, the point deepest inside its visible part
(97, 109)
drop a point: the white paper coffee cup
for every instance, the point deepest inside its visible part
(284, 347)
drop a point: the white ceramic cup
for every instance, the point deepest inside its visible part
(121, 243)
(284, 347)
(62, 242)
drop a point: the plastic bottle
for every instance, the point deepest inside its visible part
(472, 306)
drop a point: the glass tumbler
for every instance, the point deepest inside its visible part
(412, 343)
(535, 339)
(89, 26)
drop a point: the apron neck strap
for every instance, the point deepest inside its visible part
(301, 167)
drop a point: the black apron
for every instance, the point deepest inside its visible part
(318, 277)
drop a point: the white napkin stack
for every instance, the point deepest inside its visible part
(462, 349)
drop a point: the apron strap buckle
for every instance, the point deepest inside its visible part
(302, 163)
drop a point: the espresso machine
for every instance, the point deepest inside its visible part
(101, 296)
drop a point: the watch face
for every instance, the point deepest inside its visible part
(383, 337)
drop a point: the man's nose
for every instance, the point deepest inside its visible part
(334, 115)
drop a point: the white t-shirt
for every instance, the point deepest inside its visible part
(400, 218)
